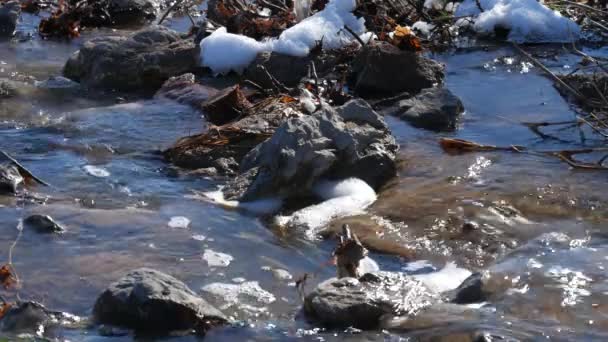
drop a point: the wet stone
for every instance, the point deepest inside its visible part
(185, 90)
(33, 318)
(365, 302)
(43, 224)
(434, 109)
(142, 61)
(147, 300)
(9, 14)
(383, 69)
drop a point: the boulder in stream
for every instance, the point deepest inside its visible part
(367, 302)
(147, 300)
(9, 14)
(383, 69)
(348, 141)
(436, 109)
(43, 224)
(141, 61)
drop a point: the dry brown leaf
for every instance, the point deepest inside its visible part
(288, 99)
(4, 307)
(7, 277)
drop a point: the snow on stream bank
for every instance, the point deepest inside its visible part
(529, 21)
(223, 51)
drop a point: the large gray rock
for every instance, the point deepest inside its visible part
(148, 300)
(383, 69)
(348, 141)
(142, 61)
(367, 302)
(434, 109)
(9, 14)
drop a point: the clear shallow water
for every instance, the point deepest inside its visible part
(541, 236)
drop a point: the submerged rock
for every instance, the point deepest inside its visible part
(9, 14)
(472, 290)
(150, 301)
(43, 224)
(436, 109)
(384, 69)
(33, 318)
(185, 90)
(10, 178)
(348, 141)
(141, 61)
(365, 303)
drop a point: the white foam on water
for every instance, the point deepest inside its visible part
(217, 259)
(179, 222)
(446, 279)
(96, 171)
(243, 293)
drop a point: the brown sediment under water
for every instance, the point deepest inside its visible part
(534, 225)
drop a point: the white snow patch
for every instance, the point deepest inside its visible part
(446, 279)
(217, 259)
(96, 171)
(179, 222)
(223, 52)
(423, 27)
(528, 20)
(342, 198)
(260, 207)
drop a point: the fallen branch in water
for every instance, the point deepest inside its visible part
(536, 62)
(23, 170)
(567, 156)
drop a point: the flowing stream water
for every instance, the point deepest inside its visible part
(540, 235)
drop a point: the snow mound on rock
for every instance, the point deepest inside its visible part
(223, 51)
(529, 21)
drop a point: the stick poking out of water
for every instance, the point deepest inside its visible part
(23, 170)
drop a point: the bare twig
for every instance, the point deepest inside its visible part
(349, 30)
(169, 10)
(536, 62)
(23, 169)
